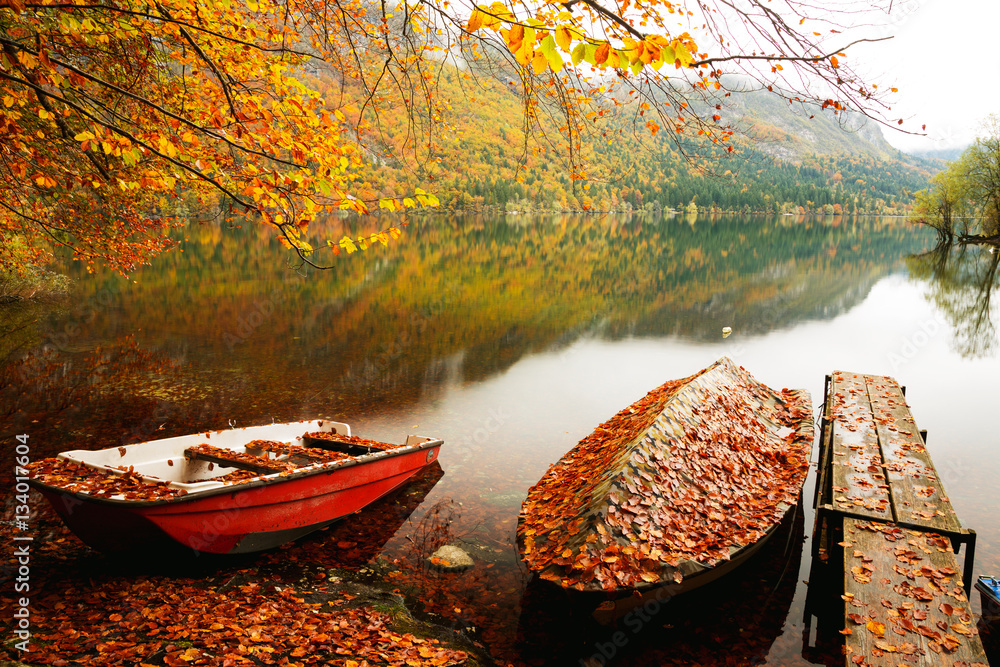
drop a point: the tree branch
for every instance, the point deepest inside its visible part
(611, 16)
(153, 105)
(131, 137)
(226, 90)
(804, 59)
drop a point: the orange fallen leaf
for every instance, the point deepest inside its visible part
(876, 628)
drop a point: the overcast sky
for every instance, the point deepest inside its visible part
(945, 60)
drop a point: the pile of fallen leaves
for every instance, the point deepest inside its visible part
(156, 620)
(234, 477)
(253, 461)
(78, 478)
(676, 483)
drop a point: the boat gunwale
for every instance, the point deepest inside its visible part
(243, 485)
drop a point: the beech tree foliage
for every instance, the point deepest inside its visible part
(116, 116)
(980, 169)
(964, 200)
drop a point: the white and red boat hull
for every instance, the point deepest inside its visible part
(248, 516)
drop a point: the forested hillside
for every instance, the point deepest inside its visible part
(783, 160)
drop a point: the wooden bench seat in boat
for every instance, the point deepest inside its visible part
(228, 458)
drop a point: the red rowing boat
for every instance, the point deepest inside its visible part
(225, 492)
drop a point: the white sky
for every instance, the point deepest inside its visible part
(945, 60)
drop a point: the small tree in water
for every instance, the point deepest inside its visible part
(963, 201)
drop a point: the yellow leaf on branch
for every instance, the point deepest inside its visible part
(348, 244)
(475, 21)
(601, 55)
(563, 38)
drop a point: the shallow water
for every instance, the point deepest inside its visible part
(511, 340)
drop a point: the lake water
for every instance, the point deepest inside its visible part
(511, 339)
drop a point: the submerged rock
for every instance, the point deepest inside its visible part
(451, 559)
(503, 498)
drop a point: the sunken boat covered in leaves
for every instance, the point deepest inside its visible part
(678, 488)
(234, 491)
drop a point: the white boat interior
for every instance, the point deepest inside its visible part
(164, 460)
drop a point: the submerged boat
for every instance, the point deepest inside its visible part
(224, 492)
(678, 488)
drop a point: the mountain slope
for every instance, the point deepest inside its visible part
(481, 158)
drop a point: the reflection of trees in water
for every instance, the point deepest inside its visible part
(961, 283)
(462, 300)
(17, 329)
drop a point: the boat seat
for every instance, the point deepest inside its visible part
(350, 445)
(296, 452)
(227, 458)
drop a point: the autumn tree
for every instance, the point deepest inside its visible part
(115, 116)
(944, 206)
(979, 168)
(111, 112)
(964, 200)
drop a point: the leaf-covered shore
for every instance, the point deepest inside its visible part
(279, 608)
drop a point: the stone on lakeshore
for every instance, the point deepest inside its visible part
(450, 559)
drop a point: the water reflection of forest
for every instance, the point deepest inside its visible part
(456, 299)
(522, 282)
(961, 280)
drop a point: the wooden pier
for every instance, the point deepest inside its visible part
(883, 513)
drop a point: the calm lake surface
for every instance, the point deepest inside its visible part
(511, 339)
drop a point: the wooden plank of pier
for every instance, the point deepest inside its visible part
(858, 473)
(878, 465)
(904, 600)
(918, 497)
